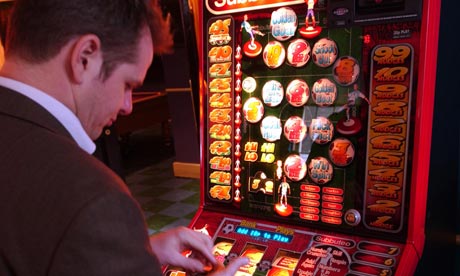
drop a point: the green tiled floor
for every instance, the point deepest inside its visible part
(167, 201)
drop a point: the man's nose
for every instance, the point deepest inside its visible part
(127, 106)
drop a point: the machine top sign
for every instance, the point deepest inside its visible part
(233, 6)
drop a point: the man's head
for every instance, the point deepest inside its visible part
(102, 47)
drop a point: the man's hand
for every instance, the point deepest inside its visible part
(230, 269)
(192, 251)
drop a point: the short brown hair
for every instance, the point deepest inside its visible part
(38, 29)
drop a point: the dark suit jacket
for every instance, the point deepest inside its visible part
(62, 212)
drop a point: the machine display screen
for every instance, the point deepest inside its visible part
(263, 235)
(309, 125)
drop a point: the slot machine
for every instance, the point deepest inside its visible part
(315, 133)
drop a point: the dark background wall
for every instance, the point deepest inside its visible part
(441, 256)
(181, 82)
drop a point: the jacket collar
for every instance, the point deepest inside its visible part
(19, 106)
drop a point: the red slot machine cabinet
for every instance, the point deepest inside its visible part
(316, 129)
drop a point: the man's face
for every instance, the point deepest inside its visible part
(106, 99)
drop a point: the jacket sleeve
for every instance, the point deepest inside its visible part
(107, 237)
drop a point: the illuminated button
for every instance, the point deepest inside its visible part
(370, 269)
(331, 220)
(332, 191)
(331, 213)
(310, 210)
(283, 263)
(311, 196)
(368, 257)
(333, 198)
(306, 216)
(331, 205)
(352, 217)
(310, 188)
(387, 249)
(309, 202)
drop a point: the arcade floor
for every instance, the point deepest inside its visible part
(167, 201)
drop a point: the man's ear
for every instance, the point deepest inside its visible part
(86, 58)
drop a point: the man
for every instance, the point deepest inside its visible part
(70, 67)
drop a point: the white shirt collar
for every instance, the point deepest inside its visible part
(63, 114)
